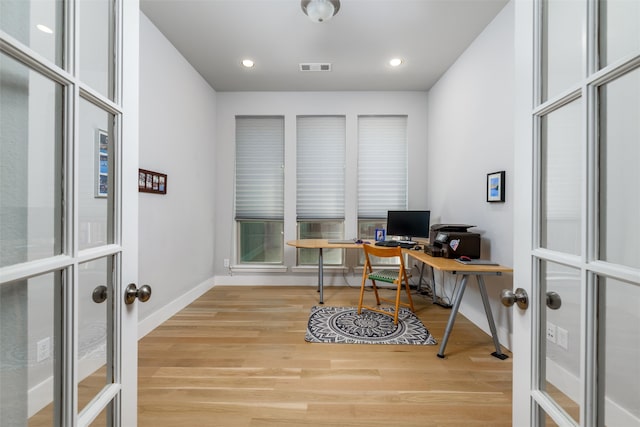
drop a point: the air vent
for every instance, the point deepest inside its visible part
(315, 66)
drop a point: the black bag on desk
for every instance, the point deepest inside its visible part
(453, 241)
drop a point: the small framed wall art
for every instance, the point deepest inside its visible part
(102, 163)
(495, 187)
(152, 182)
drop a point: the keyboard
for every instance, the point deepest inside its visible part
(406, 244)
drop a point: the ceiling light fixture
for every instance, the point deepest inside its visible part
(320, 10)
(44, 29)
(248, 63)
(395, 62)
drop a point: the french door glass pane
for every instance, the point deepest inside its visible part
(94, 328)
(97, 25)
(561, 179)
(96, 176)
(30, 164)
(620, 351)
(27, 350)
(619, 29)
(36, 24)
(562, 45)
(619, 172)
(561, 340)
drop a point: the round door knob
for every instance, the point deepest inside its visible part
(520, 297)
(99, 294)
(553, 300)
(132, 292)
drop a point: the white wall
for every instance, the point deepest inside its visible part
(289, 105)
(470, 134)
(177, 134)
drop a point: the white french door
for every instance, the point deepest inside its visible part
(577, 222)
(68, 212)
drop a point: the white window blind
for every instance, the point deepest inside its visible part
(259, 186)
(320, 167)
(382, 165)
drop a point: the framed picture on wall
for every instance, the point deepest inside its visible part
(495, 187)
(102, 163)
(152, 182)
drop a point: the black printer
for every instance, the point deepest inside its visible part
(453, 241)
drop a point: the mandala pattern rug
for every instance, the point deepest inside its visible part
(345, 325)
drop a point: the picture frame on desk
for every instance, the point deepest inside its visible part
(495, 186)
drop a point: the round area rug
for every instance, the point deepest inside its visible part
(345, 325)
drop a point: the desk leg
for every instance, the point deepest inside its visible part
(487, 309)
(432, 285)
(320, 276)
(421, 274)
(434, 294)
(452, 317)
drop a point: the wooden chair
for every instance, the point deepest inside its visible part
(396, 277)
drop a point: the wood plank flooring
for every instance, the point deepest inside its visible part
(237, 357)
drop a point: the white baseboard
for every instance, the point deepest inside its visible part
(160, 316)
(39, 396)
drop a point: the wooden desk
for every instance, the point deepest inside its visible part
(454, 267)
(321, 244)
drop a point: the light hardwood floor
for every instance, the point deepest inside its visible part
(237, 357)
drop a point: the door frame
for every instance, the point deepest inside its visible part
(523, 220)
(129, 84)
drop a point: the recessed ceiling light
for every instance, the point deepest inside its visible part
(248, 63)
(44, 29)
(395, 62)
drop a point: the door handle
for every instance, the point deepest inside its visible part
(132, 292)
(553, 300)
(520, 297)
(99, 294)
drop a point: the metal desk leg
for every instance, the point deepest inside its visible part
(432, 285)
(320, 276)
(487, 309)
(434, 294)
(452, 317)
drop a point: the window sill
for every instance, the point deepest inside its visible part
(245, 268)
(314, 269)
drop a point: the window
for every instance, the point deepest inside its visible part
(320, 184)
(259, 189)
(382, 171)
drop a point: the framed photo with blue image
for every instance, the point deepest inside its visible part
(102, 163)
(495, 187)
(152, 182)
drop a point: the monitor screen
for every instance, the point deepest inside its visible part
(408, 223)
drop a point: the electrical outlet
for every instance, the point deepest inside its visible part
(226, 263)
(563, 338)
(43, 349)
(551, 332)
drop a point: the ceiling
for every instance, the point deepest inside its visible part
(216, 35)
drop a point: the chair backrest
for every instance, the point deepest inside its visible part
(381, 252)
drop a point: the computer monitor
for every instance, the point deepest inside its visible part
(408, 224)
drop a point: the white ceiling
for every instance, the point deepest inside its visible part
(215, 35)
